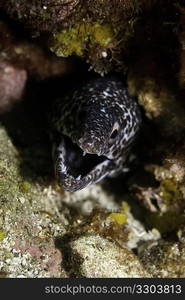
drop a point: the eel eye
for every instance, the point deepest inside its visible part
(114, 134)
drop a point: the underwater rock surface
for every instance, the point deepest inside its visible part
(34, 216)
(101, 258)
(82, 28)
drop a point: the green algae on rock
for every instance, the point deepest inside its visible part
(61, 20)
(75, 40)
(2, 235)
(96, 30)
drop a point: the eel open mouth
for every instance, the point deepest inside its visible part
(77, 164)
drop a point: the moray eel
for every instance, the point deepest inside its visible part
(94, 128)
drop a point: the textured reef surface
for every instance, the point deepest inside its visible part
(132, 225)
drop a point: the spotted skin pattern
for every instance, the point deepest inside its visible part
(97, 122)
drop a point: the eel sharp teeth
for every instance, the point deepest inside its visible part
(84, 153)
(79, 177)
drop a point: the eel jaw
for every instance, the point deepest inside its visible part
(77, 169)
